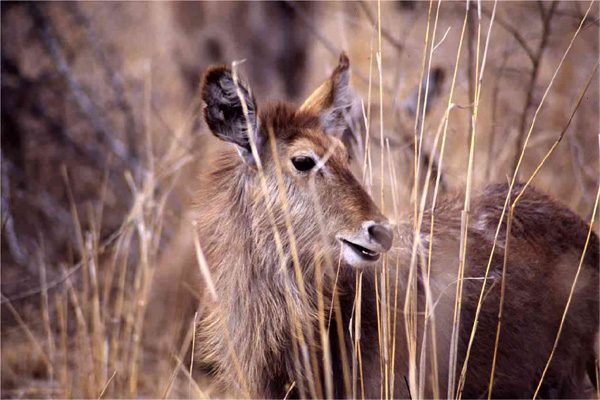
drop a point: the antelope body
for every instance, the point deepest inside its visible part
(272, 232)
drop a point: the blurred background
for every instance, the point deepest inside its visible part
(102, 137)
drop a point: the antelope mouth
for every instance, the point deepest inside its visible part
(365, 254)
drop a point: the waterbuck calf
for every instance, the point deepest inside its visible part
(284, 236)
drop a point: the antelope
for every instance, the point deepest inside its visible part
(286, 232)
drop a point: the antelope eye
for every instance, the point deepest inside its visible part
(303, 163)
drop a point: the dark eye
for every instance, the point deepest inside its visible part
(303, 163)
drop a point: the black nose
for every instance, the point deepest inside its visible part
(381, 234)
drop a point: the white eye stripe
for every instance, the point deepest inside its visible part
(329, 154)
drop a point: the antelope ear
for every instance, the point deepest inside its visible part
(337, 105)
(224, 112)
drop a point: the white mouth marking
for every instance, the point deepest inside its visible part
(357, 255)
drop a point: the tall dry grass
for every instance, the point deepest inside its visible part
(82, 333)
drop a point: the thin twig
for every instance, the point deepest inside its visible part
(8, 225)
(84, 102)
(384, 32)
(333, 49)
(570, 298)
(107, 383)
(536, 60)
(514, 32)
(494, 106)
(27, 331)
(113, 77)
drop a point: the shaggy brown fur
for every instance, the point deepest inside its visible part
(249, 333)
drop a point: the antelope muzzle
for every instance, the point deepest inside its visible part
(366, 246)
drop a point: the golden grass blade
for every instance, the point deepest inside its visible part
(82, 330)
(379, 334)
(324, 336)
(292, 386)
(193, 353)
(328, 263)
(204, 269)
(464, 221)
(511, 214)
(358, 323)
(62, 322)
(117, 339)
(410, 297)
(171, 380)
(203, 265)
(98, 329)
(107, 383)
(45, 310)
(357, 372)
(561, 135)
(311, 370)
(342, 344)
(479, 72)
(271, 216)
(392, 312)
(501, 308)
(344, 355)
(367, 118)
(385, 350)
(200, 394)
(564, 316)
(28, 332)
(426, 97)
(537, 111)
(478, 310)
(335, 282)
(416, 138)
(354, 338)
(428, 315)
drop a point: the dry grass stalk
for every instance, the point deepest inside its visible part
(564, 315)
(107, 383)
(597, 380)
(501, 308)
(384, 287)
(192, 383)
(415, 197)
(62, 322)
(426, 279)
(313, 370)
(324, 337)
(477, 312)
(28, 333)
(46, 313)
(535, 60)
(202, 264)
(344, 355)
(99, 307)
(424, 195)
(479, 73)
(193, 354)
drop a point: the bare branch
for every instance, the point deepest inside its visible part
(8, 227)
(547, 18)
(513, 32)
(334, 50)
(84, 102)
(113, 77)
(384, 32)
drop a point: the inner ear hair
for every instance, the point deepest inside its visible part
(335, 101)
(333, 91)
(223, 109)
